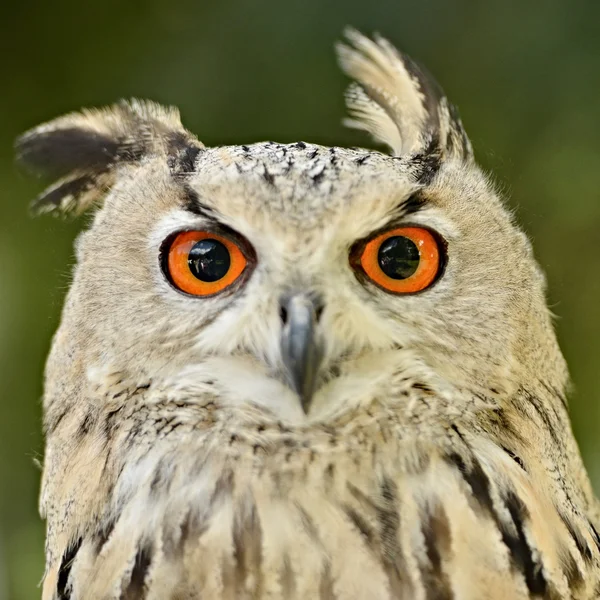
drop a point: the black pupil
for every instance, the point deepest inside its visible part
(209, 260)
(398, 257)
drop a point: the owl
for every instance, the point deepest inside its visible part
(292, 371)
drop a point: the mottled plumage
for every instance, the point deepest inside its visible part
(434, 458)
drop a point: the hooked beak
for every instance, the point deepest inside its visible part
(301, 344)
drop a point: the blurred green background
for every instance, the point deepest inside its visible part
(525, 75)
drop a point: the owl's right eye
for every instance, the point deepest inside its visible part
(203, 263)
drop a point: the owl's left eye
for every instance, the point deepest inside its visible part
(203, 263)
(401, 261)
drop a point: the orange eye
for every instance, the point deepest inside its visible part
(203, 263)
(401, 261)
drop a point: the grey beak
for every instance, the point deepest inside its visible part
(301, 344)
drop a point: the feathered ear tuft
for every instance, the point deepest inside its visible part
(398, 102)
(84, 150)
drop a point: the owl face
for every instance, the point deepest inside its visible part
(278, 235)
(299, 279)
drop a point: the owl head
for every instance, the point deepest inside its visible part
(294, 279)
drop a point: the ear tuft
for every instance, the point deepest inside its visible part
(84, 150)
(398, 102)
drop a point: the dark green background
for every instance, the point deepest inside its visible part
(526, 76)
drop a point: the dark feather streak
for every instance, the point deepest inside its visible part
(103, 535)
(63, 589)
(55, 420)
(58, 152)
(426, 164)
(430, 89)
(436, 533)
(268, 176)
(181, 153)
(541, 410)
(223, 489)
(361, 524)
(86, 424)
(388, 519)
(326, 585)
(247, 546)
(413, 204)
(519, 547)
(193, 204)
(73, 188)
(515, 457)
(572, 572)
(478, 482)
(136, 590)
(595, 535)
(576, 536)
